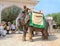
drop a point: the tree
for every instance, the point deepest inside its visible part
(56, 17)
(10, 13)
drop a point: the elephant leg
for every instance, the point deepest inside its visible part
(24, 34)
(47, 30)
(30, 34)
(44, 34)
(47, 34)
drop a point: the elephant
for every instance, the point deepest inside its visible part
(25, 25)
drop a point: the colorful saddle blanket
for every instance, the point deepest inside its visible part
(37, 20)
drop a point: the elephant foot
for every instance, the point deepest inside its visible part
(31, 40)
(33, 35)
(45, 38)
(23, 39)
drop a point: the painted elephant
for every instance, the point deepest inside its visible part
(24, 22)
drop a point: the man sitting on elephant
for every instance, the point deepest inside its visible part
(26, 27)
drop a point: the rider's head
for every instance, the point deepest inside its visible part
(25, 7)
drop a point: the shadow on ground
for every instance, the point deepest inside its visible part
(51, 38)
(6, 37)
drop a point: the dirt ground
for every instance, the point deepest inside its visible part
(16, 40)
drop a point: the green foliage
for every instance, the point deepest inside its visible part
(48, 15)
(56, 17)
(10, 13)
(14, 22)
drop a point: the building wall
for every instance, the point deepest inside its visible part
(4, 4)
